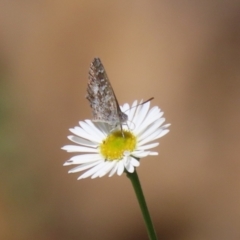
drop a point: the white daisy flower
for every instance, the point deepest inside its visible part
(105, 151)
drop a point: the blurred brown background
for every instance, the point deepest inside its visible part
(184, 53)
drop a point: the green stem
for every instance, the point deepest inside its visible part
(141, 200)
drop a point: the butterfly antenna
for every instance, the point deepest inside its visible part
(150, 99)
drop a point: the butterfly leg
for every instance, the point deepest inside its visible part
(122, 130)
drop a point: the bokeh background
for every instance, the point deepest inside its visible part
(186, 54)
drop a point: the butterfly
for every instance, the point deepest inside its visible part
(103, 101)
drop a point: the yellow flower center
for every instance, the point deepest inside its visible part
(115, 145)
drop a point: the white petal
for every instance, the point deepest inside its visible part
(82, 141)
(153, 153)
(135, 162)
(150, 137)
(153, 112)
(81, 133)
(132, 111)
(84, 167)
(129, 167)
(140, 154)
(103, 127)
(91, 131)
(105, 169)
(84, 158)
(150, 119)
(125, 108)
(92, 171)
(142, 114)
(120, 168)
(126, 160)
(152, 128)
(136, 115)
(97, 128)
(114, 169)
(149, 146)
(149, 122)
(98, 173)
(163, 133)
(73, 148)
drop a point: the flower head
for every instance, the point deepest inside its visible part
(105, 151)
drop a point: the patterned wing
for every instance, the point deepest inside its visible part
(102, 98)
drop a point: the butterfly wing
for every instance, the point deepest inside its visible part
(101, 96)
